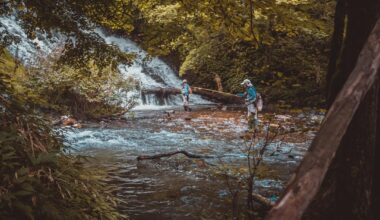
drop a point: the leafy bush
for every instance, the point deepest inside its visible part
(50, 85)
(40, 179)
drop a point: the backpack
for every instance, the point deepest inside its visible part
(259, 102)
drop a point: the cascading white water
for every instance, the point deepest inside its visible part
(26, 49)
(150, 72)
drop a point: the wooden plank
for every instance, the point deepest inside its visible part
(313, 168)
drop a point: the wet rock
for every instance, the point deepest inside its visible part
(223, 193)
(57, 122)
(269, 183)
(68, 121)
(317, 118)
(190, 200)
(283, 117)
(169, 112)
(201, 163)
(274, 125)
(103, 124)
(187, 189)
(77, 125)
(302, 115)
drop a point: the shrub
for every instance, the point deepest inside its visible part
(40, 179)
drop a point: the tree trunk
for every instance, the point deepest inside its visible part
(376, 182)
(348, 190)
(317, 163)
(350, 185)
(336, 41)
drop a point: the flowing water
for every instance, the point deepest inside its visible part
(178, 187)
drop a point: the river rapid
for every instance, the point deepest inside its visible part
(178, 187)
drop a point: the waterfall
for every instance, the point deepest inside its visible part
(26, 50)
(150, 72)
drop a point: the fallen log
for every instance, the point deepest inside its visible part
(262, 200)
(187, 154)
(224, 97)
(162, 91)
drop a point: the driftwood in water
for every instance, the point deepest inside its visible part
(262, 200)
(187, 154)
(225, 98)
(256, 197)
(312, 170)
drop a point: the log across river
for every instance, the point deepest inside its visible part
(223, 97)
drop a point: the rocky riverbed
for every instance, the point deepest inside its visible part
(183, 188)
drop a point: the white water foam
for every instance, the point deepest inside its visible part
(151, 72)
(27, 50)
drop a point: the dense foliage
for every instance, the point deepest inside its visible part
(39, 179)
(65, 89)
(281, 45)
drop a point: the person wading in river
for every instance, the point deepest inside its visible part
(186, 91)
(250, 99)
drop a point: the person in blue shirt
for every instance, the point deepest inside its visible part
(186, 91)
(250, 98)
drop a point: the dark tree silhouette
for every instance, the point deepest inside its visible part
(351, 187)
(339, 178)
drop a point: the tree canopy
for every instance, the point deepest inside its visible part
(279, 44)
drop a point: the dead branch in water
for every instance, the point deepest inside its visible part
(262, 200)
(187, 154)
(256, 197)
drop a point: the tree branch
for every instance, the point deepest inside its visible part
(187, 154)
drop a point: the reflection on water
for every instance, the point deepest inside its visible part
(178, 187)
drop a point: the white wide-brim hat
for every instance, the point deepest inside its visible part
(246, 81)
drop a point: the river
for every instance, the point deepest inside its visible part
(178, 187)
